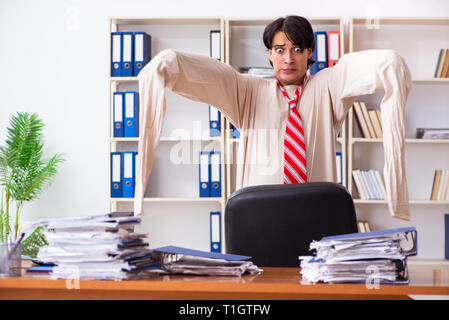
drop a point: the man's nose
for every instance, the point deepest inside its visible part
(288, 57)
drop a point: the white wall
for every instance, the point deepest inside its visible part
(54, 61)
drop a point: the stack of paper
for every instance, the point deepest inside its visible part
(261, 72)
(178, 260)
(96, 247)
(377, 257)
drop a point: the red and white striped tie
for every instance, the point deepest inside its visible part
(294, 146)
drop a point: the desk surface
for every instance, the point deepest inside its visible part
(273, 283)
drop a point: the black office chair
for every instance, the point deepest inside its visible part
(274, 224)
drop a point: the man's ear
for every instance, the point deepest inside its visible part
(269, 55)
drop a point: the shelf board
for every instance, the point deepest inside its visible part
(165, 20)
(431, 81)
(422, 141)
(176, 139)
(171, 199)
(442, 21)
(123, 79)
(263, 21)
(431, 202)
(236, 140)
(425, 81)
(167, 139)
(437, 263)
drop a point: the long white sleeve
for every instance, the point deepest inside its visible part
(363, 73)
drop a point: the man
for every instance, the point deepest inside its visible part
(294, 119)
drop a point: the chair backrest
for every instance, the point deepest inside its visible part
(274, 224)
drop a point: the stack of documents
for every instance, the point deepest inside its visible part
(267, 73)
(375, 257)
(177, 260)
(97, 247)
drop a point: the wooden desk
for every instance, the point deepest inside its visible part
(272, 284)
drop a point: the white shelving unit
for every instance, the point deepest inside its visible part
(418, 41)
(173, 211)
(245, 48)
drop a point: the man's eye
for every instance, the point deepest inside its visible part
(279, 50)
(298, 50)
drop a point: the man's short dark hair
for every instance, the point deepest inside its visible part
(297, 29)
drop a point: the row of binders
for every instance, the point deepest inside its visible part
(123, 174)
(327, 50)
(369, 121)
(440, 185)
(442, 69)
(126, 114)
(369, 184)
(210, 174)
(130, 52)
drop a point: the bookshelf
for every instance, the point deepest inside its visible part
(245, 48)
(418, 41)
(174, 212)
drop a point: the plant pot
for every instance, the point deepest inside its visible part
(10, 259)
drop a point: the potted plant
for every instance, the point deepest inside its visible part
(23, 177)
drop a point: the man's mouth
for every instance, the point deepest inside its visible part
(288, 71)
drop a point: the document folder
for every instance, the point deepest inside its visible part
(215, 231)
(446, 236)
(214, 121)
(320, 53)
(118, 114)
(142, 51)
(116, 54)
(215, 174)
(203, 254)
(131, 111)
(204, 174)
(338, 158)
(333, 47)
(127, 54)
(408, 236)
(116, 174)
(129, 169)
(215, 44)
(235, 132)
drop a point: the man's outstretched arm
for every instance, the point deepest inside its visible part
(363, 73)
(196, 77)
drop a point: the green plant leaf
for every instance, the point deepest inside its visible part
(23, 173)
(35, 241)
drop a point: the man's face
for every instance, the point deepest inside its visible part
(289, 61)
